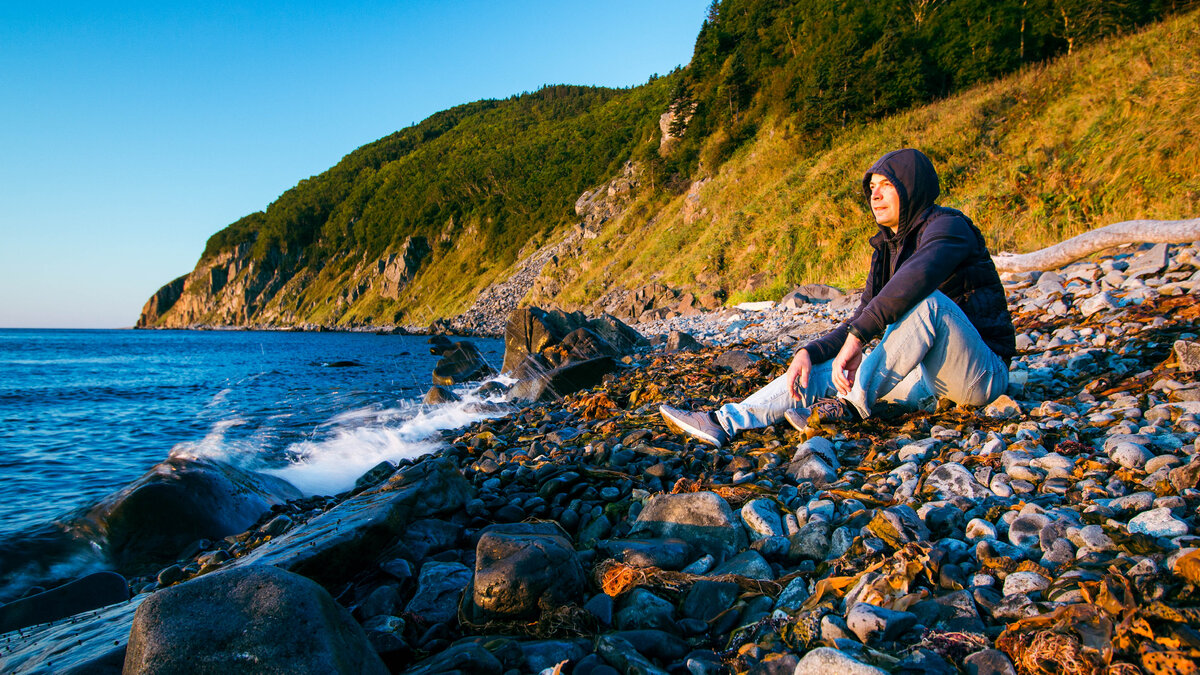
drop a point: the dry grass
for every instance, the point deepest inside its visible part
(1105, 135)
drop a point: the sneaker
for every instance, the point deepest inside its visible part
(702, 426)
(797, 417)
(828, 411)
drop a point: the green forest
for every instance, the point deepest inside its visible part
(491, 176)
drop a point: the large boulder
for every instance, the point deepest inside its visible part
(179, 501)
(550, 339)
(527, 333)
(524, 568)
(616, 333)
(556, 383)
(461, 363)
(256, 619)
(703, 519)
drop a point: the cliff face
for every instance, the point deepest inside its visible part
(234, 289)
(161, 302)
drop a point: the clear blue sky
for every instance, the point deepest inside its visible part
(131, 131)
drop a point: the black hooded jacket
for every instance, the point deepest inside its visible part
(934, 248)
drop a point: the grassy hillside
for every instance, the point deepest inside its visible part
(780, 111)
(1109, 133)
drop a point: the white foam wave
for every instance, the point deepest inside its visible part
(361, 439)
(214, 444)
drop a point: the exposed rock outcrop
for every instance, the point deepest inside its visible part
(161, 302)
(397, 269)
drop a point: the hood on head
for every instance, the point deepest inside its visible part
(915, 179)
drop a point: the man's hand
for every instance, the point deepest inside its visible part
(797, 374)
(845, 364)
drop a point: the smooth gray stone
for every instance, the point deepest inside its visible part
(878, 624)
(827, 661)
(703, 519)
(230, 619)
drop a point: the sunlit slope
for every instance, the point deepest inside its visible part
(1109, 133)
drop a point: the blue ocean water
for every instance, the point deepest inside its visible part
(85, 412)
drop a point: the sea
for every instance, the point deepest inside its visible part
(83, 413)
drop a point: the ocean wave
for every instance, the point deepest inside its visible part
(361, 439)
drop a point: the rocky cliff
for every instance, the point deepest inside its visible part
(234, 289)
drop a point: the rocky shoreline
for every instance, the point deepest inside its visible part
(1054, 531)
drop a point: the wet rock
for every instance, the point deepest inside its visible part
(232, 619)
(331, 546)
(461, 363)
(438, 394)
(521, 569)
(748, 564)
(541, 654)
(529, 330)
(812, 542)
(702, 519)
(386, 634)
(179, 501)
(793, 595)
(657, 644)
(957, 611)
(439, 589)
(91, 592)
(424, 538)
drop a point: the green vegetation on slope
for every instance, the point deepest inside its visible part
(770, 81)
(1104, 135)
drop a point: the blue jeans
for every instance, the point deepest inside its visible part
(931, 351)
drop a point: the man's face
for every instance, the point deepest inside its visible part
(885, 202)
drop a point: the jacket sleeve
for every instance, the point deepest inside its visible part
(827, 346)
(943, 245)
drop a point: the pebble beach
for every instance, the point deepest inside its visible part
(1052, 531)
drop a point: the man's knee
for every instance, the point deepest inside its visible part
(929, 307)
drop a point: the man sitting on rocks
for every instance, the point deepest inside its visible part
(933, 293)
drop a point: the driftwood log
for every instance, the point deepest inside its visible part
(1127, 232)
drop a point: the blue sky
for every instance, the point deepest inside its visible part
(131, 131)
